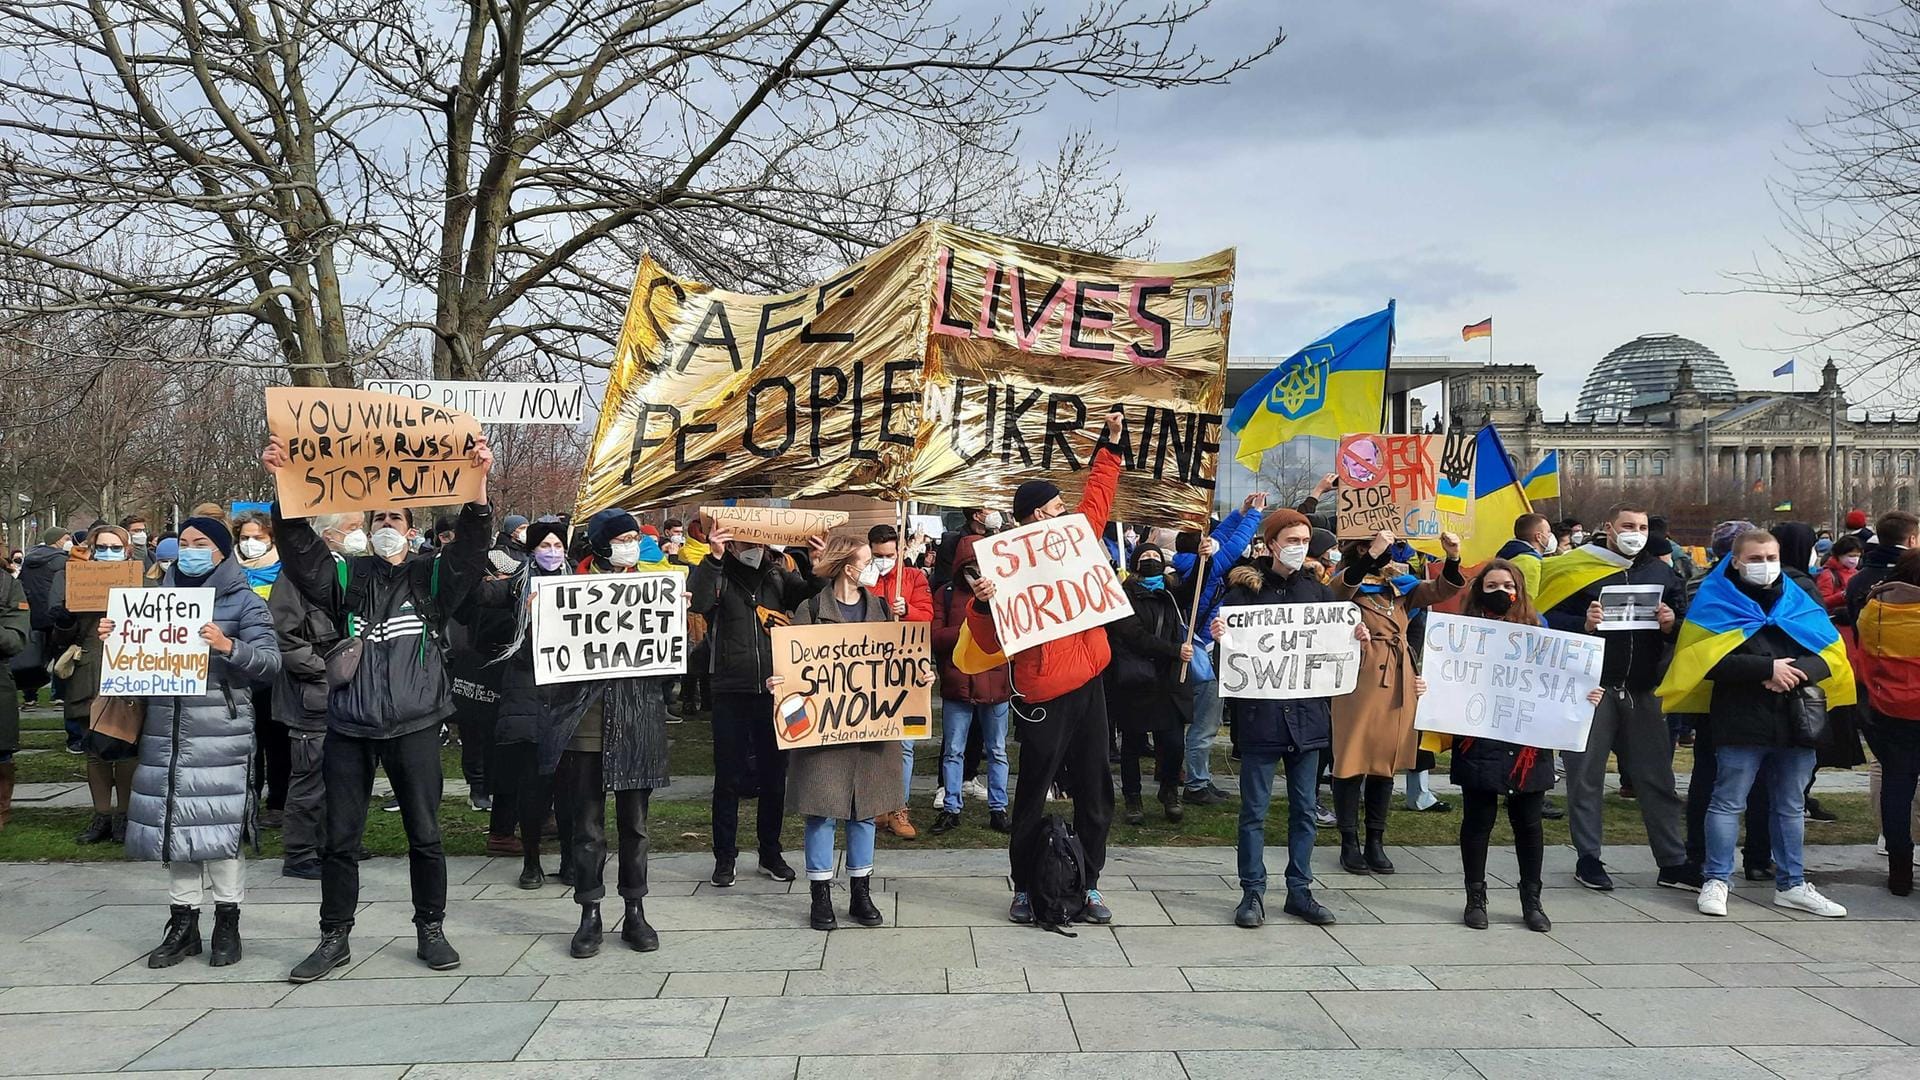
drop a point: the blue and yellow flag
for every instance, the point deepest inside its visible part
(1722, 617)
(1544, 481)
(1333, 387)
(1573, 573)
(1498, 499)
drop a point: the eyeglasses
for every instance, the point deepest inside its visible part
(108, 547)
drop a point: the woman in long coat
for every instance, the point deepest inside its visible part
(190, 807)
(851, 783)
(1373, 735)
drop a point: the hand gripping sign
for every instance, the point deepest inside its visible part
(1051, 579)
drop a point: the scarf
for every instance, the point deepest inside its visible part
(263, 571)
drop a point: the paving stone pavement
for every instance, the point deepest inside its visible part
(1630, 983)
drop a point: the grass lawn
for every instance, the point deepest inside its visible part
(683, 826)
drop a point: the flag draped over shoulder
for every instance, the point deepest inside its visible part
(1568, 575)
(1498, 499)
(1544, 481)
(1722, 617)
(1333, 387)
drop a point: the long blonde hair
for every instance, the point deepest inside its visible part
(840, 551)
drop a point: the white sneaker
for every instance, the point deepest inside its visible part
(1713, 898)
(1880, 845)
(973, 789)
(1808, 899)
(940, 798)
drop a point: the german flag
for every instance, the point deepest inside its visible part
(1483, 328)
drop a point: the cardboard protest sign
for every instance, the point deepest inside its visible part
(608, 626)
(352, 450)
(852, 682)
(947, 367)
(1499, 680)
(495, 402)
(1051, 579)
(780, 526)
(155, 649)
(89, 580)
(1630, 607)
(1289, 651)
(1387, 482)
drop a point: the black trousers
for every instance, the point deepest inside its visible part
(1169, 754)
(586, 808)
(1758, 848)
(304, 829)
(412, 762)
(1896, 746)
(1347, 792)
(747, 764)
(696, 686)
(1478, 810)
(273, 766)
(1064, 738)
(475, 720)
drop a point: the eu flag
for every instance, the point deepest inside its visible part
(1333, 387)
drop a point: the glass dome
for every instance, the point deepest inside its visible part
(1644, 372)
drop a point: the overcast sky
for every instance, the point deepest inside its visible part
(1582, 173)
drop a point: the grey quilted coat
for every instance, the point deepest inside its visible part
(190, 789)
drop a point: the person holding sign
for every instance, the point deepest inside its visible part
(75, 651)
(191, 808)
(1062, 709)
(1485, 769)
(904, 588)
(1274, 731)
(390, 693)
(1373, 737)
(1150, 651)
(851, 783)
(743, 590)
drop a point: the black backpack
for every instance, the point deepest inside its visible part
(1057, 876)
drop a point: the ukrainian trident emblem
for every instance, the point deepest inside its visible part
(1302, 386)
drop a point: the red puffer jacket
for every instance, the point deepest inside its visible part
(1060, 667)
(949, 615)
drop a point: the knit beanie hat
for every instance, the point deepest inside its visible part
(1031, 496)
(215, 531)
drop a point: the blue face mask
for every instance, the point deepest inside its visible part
(109, 554)
(194, 562)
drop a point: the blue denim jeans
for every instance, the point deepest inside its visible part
(1256, 792)
(1200, 733)
(956, 719)
(819, 846)
(1785, 770)
(906, 771)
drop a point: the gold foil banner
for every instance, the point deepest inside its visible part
(947, 367)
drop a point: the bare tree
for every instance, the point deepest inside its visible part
(331, 176)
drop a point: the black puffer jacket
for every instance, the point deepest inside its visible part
(1745, 713)
(1143, 686)
(1278, 727)
(402, 684)
(1876, 566)
(735, 599)
(1635, 659)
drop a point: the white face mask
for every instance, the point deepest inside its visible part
(251, 548)
(520, 535)
(870, 576)
(624, 552)
(1630, 543)
(1762, 574)
(1552, 543)
(1332, 557)
(882, 566)
(1576, 538)
(388, 541)
(354, 543)
(1292, 556)
(416, 542)
(139, 537)
(752, 557)
(993, 521)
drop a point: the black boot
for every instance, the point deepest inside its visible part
(1531, 910)
(531, 876)
(1900, 870)
(1173, 801)
(226, 935)
(1476, 913)
(119, 829)
(1351, 858)
(861, 909)
(823, 905)
(434, 949)
(99, 830)
(182, 938)
(586, 940)
(1135, 816)
(565, 874)
(334, 951)
(1377, 860)
(634, 930)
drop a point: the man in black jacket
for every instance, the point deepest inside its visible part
(1628, 718)
(1893, 535)
(306, 633)
(389, 713)
(42, 563)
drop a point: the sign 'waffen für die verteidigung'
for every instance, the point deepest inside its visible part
(1051, 579)
(608, 626)
(1499, 680)
(156, 649)
(1281, 651)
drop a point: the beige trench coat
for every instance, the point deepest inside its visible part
(1373, 726)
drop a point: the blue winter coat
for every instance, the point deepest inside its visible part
(190, 798)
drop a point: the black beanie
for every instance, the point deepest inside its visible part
(214, 530)
(1031, 496)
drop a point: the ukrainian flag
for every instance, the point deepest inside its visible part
(1568, 575)
(1544, 481)
(1498, 499)
(1334, 387)
(1722, 617)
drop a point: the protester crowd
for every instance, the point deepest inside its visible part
(351, 643)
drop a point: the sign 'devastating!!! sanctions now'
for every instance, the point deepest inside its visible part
(852, 682)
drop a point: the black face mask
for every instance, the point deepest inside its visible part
(1497, 603)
